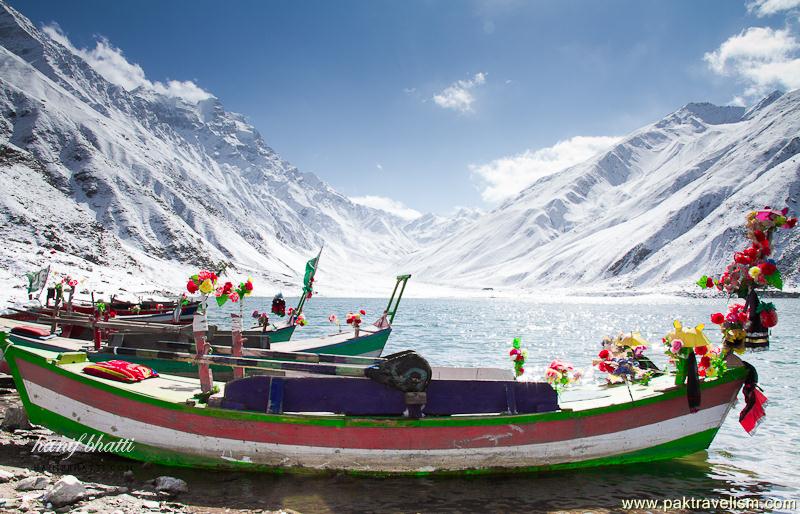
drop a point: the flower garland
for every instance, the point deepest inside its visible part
(561, 375)
(752, 268)
(518, 356)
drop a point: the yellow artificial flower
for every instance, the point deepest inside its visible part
(754, 272)
(206, 286)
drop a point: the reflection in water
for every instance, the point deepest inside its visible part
(478, 333)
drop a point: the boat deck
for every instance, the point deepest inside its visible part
(180, 390)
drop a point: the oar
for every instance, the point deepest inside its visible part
(346, 370)
(278, 355)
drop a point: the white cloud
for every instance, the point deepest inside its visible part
(379, 166)
(387, 204)
(762, 57)
(767, 7)
(506, 176)
(108, 61)
(458, 95)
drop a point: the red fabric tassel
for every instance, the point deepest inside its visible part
(753, 413)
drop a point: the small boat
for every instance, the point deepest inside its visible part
(370, 416)
(141, 343)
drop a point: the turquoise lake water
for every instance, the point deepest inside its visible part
(476, 332)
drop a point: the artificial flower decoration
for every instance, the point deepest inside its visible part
(622, 358)
(204, 281)
(752, 267)
(278, 305)
(261, 317)
(560, 375)
(300, 320)
(767, 314)
(355, 319)
(518, 357)
(733, 325)
(223, 293)
(334, 320)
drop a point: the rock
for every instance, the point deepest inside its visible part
(15, 419)
(5, 476)
(149, 504)
(32, 483)
(171, 485)
(66, 491)
(128, 476)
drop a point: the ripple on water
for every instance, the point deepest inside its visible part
(478, 332)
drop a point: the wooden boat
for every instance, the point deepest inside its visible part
(399, 421)
(161, 339)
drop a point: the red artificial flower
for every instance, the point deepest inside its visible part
(227, 288)
(705, 362)
(513, 352)
(767, 268)
(709, 282)
(751, 252)
(759, 235)
(742, 258)
(363, 312)
(765, 247)
(604, 354)
(112, 314)
(769, 318)
(521, 370)
(191, 287)
(717, 318)
(701, 350)
(743, 317)
(248, 286)
(790, 223)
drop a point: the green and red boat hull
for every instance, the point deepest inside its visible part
(173, 433)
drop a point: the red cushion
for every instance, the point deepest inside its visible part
(29, 331)
(121, 371)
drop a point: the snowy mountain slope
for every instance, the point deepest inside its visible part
(430, 228)
(662, 206)
(137, 178)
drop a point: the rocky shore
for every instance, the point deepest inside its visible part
(33, 481)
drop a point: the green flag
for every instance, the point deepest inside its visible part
(37, 280)
(311, 268)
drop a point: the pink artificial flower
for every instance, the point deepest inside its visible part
(234, 297)
(677, 344)
(332, 318)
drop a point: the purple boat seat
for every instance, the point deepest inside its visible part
(364, 397)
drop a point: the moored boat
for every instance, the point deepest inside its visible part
(450, 420)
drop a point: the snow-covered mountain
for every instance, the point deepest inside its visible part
(143, 181)
(431, 228)
(138, 187)
(662, 206)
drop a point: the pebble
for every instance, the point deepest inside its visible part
(66, 491)
(15, 419)
(32, 483)
(171, 485)
(5, 476)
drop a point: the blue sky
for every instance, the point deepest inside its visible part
(438, 104)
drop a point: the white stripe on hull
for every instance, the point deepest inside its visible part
(389, 460)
